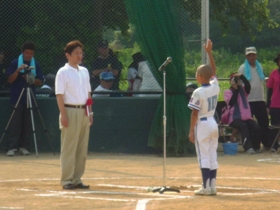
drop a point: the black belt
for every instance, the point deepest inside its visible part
(75, 106)
(203, 119)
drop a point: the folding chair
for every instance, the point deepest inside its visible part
(276, 139)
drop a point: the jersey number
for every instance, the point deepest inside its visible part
(212, 101)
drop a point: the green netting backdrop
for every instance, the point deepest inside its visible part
(157, 28)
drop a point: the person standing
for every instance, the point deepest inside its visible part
(106, 61)
(253, 72)
(20, 125)
(73, 94)
(148, 80)
(203, 126)
(273, 101)
(4, 85)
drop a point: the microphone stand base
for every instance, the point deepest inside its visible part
(163, 189)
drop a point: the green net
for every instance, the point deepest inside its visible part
(158, 33)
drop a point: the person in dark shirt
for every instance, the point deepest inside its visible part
(4, 85)
(20, 79)
(106, 61)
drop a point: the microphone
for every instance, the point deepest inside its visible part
(168, 60)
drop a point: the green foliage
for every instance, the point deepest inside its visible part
(226, 62)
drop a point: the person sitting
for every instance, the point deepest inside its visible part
(273, 102)
(106, 82)
(190, 87)
(240, 114)
(48, 88)
(133, 79)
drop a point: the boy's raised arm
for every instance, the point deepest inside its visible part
(208, 49)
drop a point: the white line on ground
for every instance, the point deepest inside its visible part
(133, 178)
(141, 204)
(2, 207)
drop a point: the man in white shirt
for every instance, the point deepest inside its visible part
(73, 94)
(253, 72)
(148, 81)
(106, 82)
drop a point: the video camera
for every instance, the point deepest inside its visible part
(30, 79)
(28, 69)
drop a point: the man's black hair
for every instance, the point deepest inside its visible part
(28, 46)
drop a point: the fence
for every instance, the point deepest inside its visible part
(52, 24)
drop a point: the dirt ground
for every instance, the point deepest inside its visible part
(124, 182)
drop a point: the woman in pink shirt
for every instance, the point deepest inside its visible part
(273, 100)
(240, 113)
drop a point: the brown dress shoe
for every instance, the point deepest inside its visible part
(82, 186)
(69, 187)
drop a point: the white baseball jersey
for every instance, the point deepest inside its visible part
(205, 99)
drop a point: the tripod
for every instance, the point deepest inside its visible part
(29, 93)
(163, 189)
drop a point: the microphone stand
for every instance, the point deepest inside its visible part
(163, 189)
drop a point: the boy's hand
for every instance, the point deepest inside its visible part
(208, 46)
(191, 137)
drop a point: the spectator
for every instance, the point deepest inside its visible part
(253, 71)
(133, 79)
(190, 87)
(72, 90)
(105, 62)
(3, 68)
(106, 82)
(240, 113)
(48, 88)
(148, 81)
(273, 101)
(21, 122)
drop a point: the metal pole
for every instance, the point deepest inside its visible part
(204, 29)
(164, 125)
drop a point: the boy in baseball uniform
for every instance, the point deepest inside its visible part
(203, 128)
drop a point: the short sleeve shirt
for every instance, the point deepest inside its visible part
(257, 89)
(148, 80)
(73, 84)
(100, 63)
(20, 82)
(274, 83)
(205, 98)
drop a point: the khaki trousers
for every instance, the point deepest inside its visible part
(74, 146)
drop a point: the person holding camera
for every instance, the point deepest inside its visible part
(23, 71)
(240, 116)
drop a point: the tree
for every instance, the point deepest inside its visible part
(252, 15)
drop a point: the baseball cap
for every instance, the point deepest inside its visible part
(103, 43)
(277, 58)
(106, 75)
(250, 50)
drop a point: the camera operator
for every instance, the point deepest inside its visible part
(23, 72)
(240, 114)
